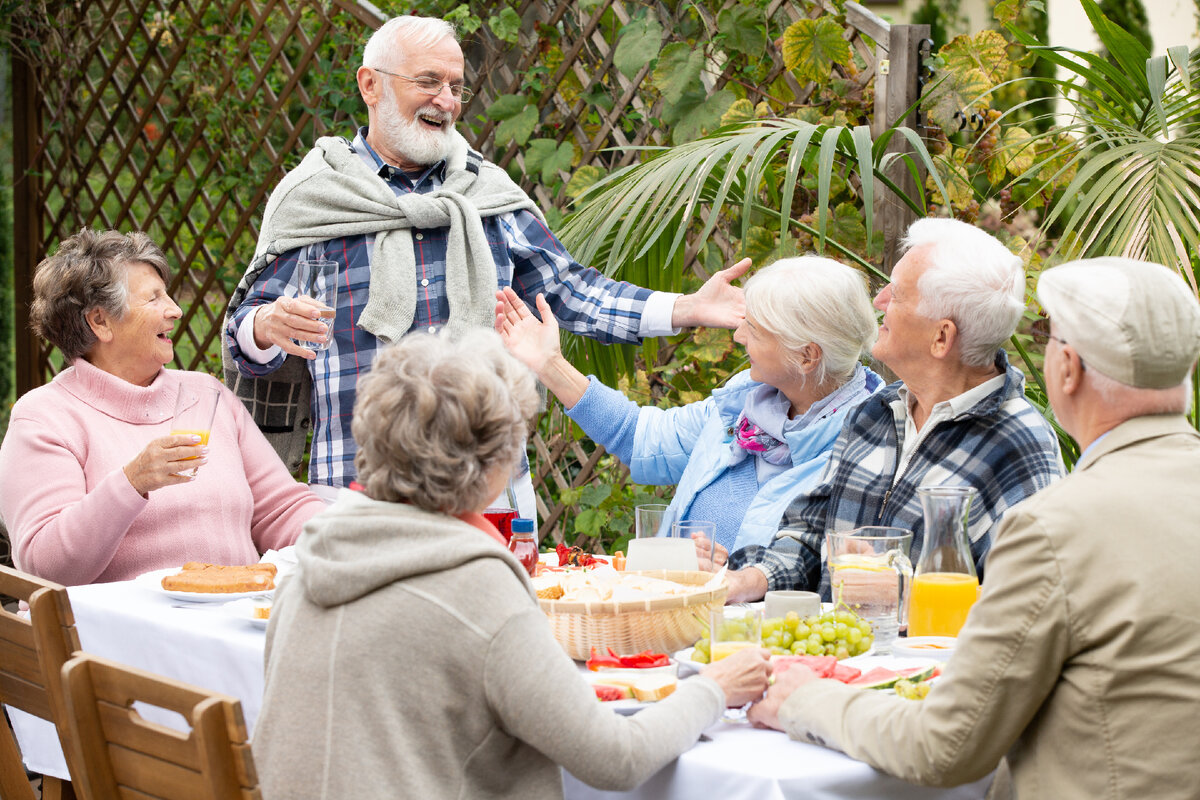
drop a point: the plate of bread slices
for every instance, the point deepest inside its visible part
(211, 583)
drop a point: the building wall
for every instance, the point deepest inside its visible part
(1172, 22)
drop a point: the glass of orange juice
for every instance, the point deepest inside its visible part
(195, 409)
(734, 628)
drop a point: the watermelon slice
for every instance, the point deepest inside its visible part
(607, 693)
(845, 673)
(822, 665)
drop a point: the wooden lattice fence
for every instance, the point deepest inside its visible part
(177, 117)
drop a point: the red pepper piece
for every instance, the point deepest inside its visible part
(597, 661)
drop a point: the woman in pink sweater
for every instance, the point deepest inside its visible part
(91, 487)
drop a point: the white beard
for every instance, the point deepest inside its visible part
(411, 139)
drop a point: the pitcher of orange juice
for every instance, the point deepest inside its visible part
(945, 584)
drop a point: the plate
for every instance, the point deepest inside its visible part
(629, 705)
(244, 610)
(939, 648)
(684, 659)
(153, 582)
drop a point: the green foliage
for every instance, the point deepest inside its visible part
(812, 46)
(1129, 16)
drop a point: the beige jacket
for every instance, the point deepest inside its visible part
(407, 658)
(1081, 660)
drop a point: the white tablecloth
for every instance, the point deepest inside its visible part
(204, 645)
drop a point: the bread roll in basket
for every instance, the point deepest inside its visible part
(662, 624)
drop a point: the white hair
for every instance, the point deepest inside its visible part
(1133, 400)
(383, 49)
(973, 280)
(810, 299)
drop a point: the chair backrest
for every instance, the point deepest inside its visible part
(32, 653)
(126, 755)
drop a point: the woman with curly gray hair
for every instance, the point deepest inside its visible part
(407, 655)
(93, 485)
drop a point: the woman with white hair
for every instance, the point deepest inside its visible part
(738, 457)
(407, 655)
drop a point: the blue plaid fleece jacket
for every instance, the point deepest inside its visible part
(1002, 446)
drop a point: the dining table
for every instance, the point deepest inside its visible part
(220, 646)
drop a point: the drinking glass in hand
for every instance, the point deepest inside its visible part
(194, 413)
(318, 279)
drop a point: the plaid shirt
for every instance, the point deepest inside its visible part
(527, 256)
(1002, 446)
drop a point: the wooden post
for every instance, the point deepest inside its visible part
(27, 219)
(897, 66)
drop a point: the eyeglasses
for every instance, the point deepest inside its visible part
(433, 86)
(1040, 331)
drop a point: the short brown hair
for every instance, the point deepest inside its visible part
(436, 416)
(87, 271)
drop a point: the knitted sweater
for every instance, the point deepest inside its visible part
(72, 514)
(407, 657)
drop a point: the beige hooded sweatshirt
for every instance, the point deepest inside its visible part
(407, 657)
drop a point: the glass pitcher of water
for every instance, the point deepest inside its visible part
(945, 584)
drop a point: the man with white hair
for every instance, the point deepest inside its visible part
(1078, 662)
(958, 415)
(425, 231)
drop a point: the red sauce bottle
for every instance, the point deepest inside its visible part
(523, 545)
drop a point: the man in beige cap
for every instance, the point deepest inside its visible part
(1080, 661)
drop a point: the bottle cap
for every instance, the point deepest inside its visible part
(522, 525)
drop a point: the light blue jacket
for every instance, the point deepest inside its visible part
(692, 445)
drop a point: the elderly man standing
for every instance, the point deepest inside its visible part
(957, 416)
(1079, 659)
(425, 232)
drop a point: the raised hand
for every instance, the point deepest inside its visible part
(289, 319)
(717, 304)
(160, 462)
(532, 341)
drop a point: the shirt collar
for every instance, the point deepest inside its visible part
(363, 148)
(956, 405)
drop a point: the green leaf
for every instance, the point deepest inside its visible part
(463, 19)
(548, 157)
(973, 65)
(1006, 11)
(506, 25)
(1017, 148)
(583, 178)
(742, 110)
(506, 106)
(589, 522)
(847, 226)
(519, 128)
(812, 46)
(759, 244)
(678, 71)
(698, 118)
(594, 494)
(744, 29)
(711, 344)
(638, 45)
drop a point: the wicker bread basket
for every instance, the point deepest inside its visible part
(663, 625)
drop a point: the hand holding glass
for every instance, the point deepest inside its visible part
(319, 280)
(194, 413)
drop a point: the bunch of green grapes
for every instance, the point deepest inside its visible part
(840, 633)
(912, 691)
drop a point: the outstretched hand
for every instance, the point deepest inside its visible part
(533, 342)
(717, 304)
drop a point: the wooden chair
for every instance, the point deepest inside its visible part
(32, 653)
(126, 755)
